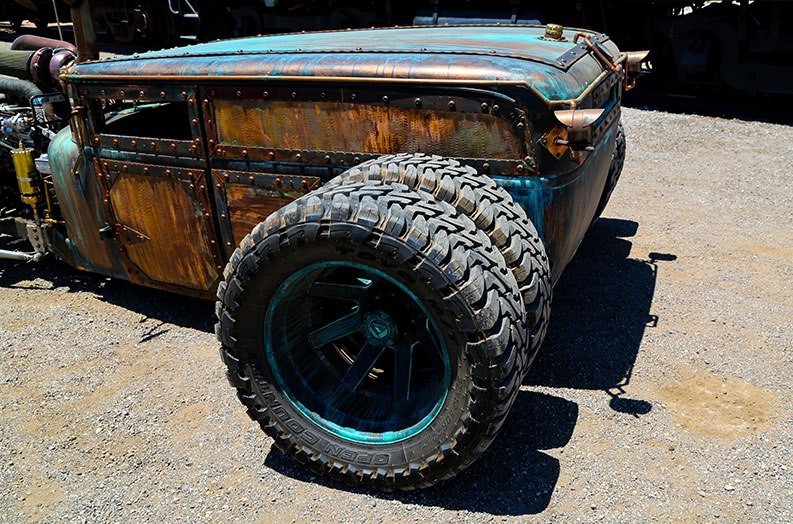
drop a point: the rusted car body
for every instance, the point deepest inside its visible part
(382, 351)
(251, 124)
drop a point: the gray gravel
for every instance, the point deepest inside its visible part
(662, 393)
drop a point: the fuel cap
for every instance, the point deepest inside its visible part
(553, 32)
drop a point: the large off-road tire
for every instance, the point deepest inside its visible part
(615, 170)
(493, 211)
(374, 333)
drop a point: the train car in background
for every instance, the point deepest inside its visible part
(38, 12)
(731, 45)
(724, 45)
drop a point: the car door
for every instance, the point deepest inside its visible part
(153, 172)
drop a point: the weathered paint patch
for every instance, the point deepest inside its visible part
(364, 128)
(533, 194)
(178, 250)
(249, 205)
(520, 41)
(81, 205)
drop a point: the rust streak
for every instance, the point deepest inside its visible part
(249, 205)
(333, 126)
(161, 208)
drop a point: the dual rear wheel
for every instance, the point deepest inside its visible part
(377, 328)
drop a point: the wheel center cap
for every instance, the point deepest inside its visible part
(379, 328)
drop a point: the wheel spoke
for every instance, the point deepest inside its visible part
(342, 327)
(352, 292)
(433, 335)
(403, 367)
(360, 367)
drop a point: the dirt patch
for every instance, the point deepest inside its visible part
(717, 407)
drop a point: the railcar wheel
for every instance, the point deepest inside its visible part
(374, 333)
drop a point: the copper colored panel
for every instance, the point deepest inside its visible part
(162, 209)
(361, 128)
(249, 205)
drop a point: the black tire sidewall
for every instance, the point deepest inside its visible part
(286, 420)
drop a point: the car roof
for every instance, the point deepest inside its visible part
(480, 54)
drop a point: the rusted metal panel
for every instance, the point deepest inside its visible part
(163, 209)
(249, 198)
(334, 126)
(250, 205)
(143, 145)
(494, 109)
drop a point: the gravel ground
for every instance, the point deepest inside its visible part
(662, 392)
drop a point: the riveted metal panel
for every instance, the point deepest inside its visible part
(144, 98)
(248, 198)
(169, 209)
(177, 250)
(364, 128)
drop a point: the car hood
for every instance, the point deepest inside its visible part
(484, 54)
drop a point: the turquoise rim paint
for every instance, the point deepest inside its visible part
(356, 352)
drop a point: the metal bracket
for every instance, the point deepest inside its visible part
(122, 233)
(36, 238)
(128, 235)
(19, 228)
(599, 52)
(555, 141)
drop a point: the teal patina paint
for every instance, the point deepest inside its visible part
(533, 194)
(516, 55)
(81, 205)
(63, 154)
(521, 41)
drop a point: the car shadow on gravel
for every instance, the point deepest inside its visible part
(601, 310)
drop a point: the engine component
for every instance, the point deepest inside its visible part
(28, 177)
(18, 129)
(43, 165)
(33, 42)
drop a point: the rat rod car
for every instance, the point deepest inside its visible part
(380, 213)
